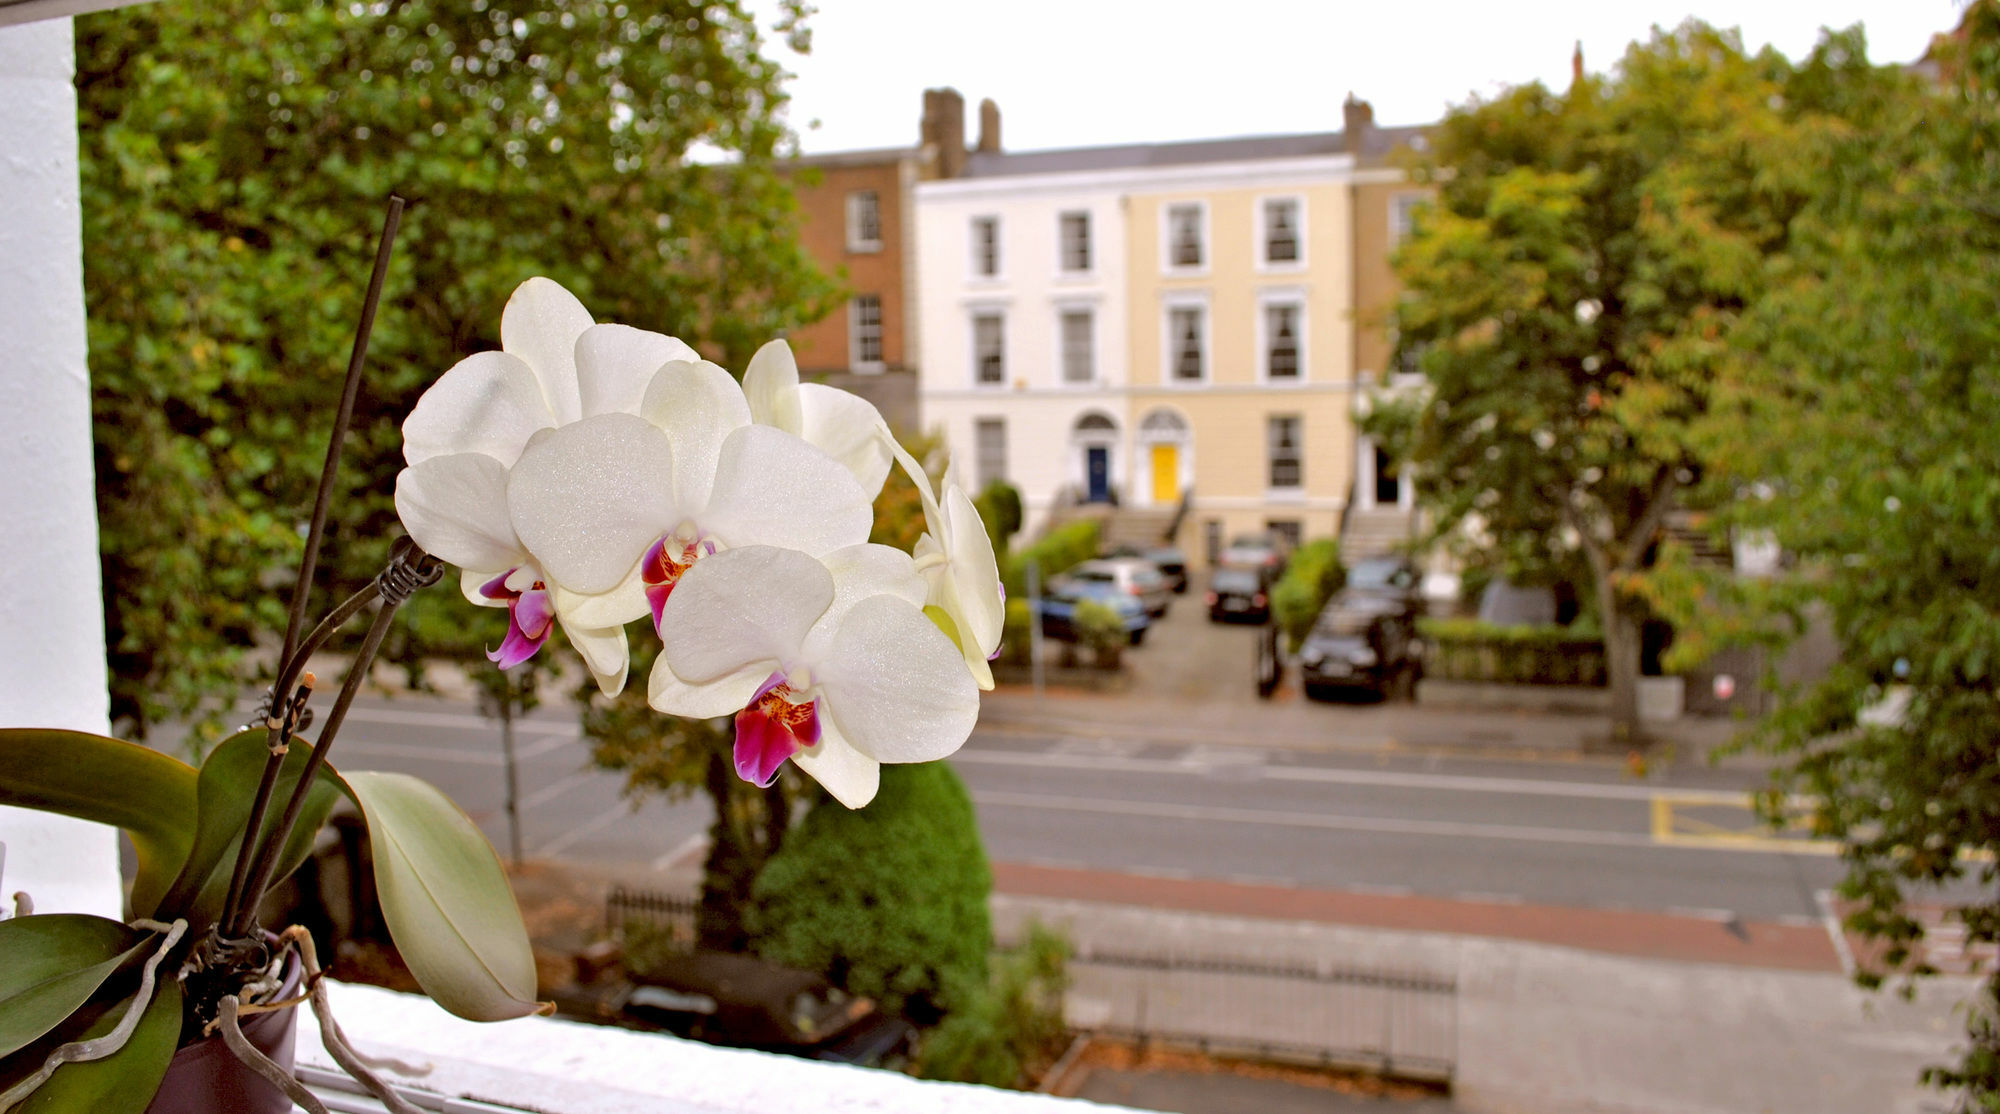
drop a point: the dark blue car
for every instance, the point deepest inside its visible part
(1059, 608)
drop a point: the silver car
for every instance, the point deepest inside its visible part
(1132, 575)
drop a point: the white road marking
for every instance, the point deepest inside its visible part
(687, 846)
(549, 793)
(1834, 930)
(1526, 787)
(1281, 819)
(580, 833)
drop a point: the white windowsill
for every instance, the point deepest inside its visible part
(566, 1067)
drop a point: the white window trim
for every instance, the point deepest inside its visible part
(854, 242)
(1186, 300)
(1282, 296)
(1264, 264)
(1064, 272)
(972, 248)
(972, 316)
(1167, 266)
(854, 360)
(1298, 490)
(1096, 380)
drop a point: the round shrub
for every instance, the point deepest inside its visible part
(888, 901)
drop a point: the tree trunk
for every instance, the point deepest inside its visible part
(1621, 663)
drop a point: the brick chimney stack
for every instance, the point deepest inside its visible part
(989, 127)
(943, 132)
(1359, 117)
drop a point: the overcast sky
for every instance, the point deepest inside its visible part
(1071, 73)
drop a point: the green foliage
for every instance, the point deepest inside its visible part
(1515, 654)
(1015, 634)
(1057, 551)
(888, 901)
(235, 160)
(999, 505)
(1573, 289)
(1014, 1026)
(1101, 631)
(1862, 441)
(1311, 578)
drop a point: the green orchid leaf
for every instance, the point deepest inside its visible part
(224, 791)
(94, 777)
(125, 1080)
(446, 899)
(50, 965)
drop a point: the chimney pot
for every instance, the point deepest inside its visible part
(943, 131)
(989, 127)
(1359, 119)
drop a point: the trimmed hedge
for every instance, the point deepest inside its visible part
(887, 901)
(1057, 551)
(1469, 650)
(1015, 1026)
(1313, 576)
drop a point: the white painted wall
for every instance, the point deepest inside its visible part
(51, 615)
(1038, 407)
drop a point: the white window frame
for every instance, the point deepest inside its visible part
(980, 425)
(1063, 267)
(1266, 301)
(1271, 452)
(974, 257)
(1264, 260)
(977, 314)
(856, 241)
(855, 333)
(1063, 312)
(1169, 342)
(1402, 210)
(1167, 263)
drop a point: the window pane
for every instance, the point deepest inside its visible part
(986, 246)
(989, 349)
(1281, 326)
(991, 437)
(1287, 466)
(1281, 232)
(1078, 359)
(864, 219)
(1185, 326)
(1185, 223)
(867, 328)
(1076, 241)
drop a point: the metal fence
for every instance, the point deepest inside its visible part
(673, 916)
(1398, 1023)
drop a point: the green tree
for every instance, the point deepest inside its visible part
(889, 901)
(1863, 440)
(1571, 292)
(236, 155)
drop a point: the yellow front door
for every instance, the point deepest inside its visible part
(1166, 473)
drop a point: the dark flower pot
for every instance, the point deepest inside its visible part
(206, 1078)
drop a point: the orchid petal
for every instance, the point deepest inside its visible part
(615, 608)
(587, 499)
(516, 648)
(533, 613)
(771, 384)
(895, 685)
(742, 606)
(851, 776)
(724, 696)
(772, 488)
(697, 404)
(604, 652)
(541, 325)
(849, 429)
(455, 507)
(470, 581)
(616, 363)
(859, 572)
(972, 573)
(489, 402)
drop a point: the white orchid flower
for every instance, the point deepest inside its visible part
(962, 577)
(618, 506)
(466, 433)
(829, 662)
(844, 425)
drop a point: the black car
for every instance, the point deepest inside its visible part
(1387, 577)
(1239, 592)
(1362, 642)
(744, 1002)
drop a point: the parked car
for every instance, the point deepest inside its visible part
(1387, 577)
(1127, 574)
(1362, 641)
(1268, 550)
(1059, 608)
(1169, 559)
(1239, 592)
(745, 1002)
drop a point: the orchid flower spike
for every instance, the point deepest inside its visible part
(467, 432)
(844, 425)
(829, 662)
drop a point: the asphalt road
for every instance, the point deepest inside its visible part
(1545, 833)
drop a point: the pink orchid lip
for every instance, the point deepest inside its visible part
(661, 572)
(530, 617)
(772, 729)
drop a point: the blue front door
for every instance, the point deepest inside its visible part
(1097, 466)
